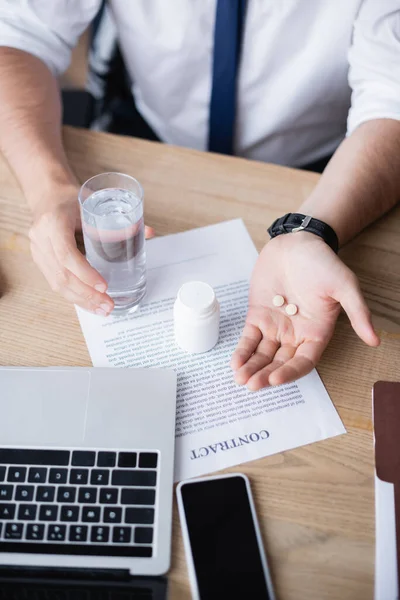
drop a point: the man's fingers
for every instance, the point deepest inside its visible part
(87, 304)
(296, 367)
(68, 256)
(261, 378)
(87, 296)
(352, 300)
(249, 340)
(61, 280)
(149, 232)
(48, 268)
(305, 359)
(262, 357)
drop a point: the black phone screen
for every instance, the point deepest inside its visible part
(223, 540)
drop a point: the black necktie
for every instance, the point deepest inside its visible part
(228, 31)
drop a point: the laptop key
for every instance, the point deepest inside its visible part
(122, 535)
(90, 514)
(148, 460)
(106, 459)
(56, 533)
(87, 495)
(27, 512)
(142, 516)
(37, 475)
(69, 513)
(2, 473)
(108, 496)
(34, 532)
(127, 459)
(143, 535)
(99, 477)
(14, 456)
(58, 476)
(16, 474)
(79, 476)
(14, 531)
(83, 458)
(7, 511)
(45, 493)
(112, 514)
(6, 492)
(100, 534)
(66, 494)
(134, 478)
(48, 512)
(138, 497)
(78, 533)
(24, 493)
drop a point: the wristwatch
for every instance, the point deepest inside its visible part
(293, 222)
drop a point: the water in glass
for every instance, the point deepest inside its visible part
(114, 241)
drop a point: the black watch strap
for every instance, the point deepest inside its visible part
(292, 222)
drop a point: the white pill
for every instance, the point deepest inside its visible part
(291, 309)
(278, 300)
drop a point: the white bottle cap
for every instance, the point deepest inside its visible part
(196, 317)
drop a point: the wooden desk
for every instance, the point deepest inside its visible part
(316, 503)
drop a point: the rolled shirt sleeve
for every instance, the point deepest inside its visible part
(47, 29)
(374, 59)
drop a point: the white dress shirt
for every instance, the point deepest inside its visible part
(308, 67)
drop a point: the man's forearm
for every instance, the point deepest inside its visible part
(362, 180)
(30, 131)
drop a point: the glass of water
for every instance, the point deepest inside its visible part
(113, 232)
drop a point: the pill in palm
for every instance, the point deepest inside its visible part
(291, 309)
(278, 300)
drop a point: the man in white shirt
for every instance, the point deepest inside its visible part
(306, 66)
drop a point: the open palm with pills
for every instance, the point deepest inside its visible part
(284, 338)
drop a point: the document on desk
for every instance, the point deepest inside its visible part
(386, 410)
(218, 423)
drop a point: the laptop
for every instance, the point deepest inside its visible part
(86, 471)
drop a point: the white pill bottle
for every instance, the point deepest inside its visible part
(196, 317)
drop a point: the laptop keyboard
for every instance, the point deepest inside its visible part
(144, 589)
(98, 502)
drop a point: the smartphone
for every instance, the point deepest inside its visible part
(222, 539)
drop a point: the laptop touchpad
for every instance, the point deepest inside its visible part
(43, 407)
